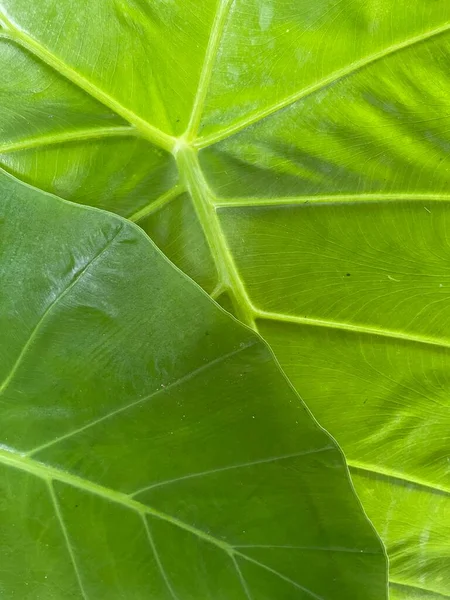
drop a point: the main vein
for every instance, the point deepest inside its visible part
(49, 474)
(192, 176)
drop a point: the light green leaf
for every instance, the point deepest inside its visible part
(151, 448)
(311, 140)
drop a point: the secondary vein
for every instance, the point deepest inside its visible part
(48, 310)
(251, 202)
(158, 561)
(318, 86)
(151, 133)
(280, 575)
(205, 77)
(344, 326)
(417, 588)
(142, 400)
(93, 133)
(66, 538)
(157, 204)
(396, 477)
(253, 463)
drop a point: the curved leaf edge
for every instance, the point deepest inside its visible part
(66, 477)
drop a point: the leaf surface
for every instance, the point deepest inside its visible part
(291, 157)
(151, 446)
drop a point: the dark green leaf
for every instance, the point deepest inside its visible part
(151, 448)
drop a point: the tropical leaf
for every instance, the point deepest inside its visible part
(151, 447)
(311, 143)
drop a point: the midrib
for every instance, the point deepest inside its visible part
(192, 177)
(48, 473)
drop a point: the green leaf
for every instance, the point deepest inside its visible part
(151, 447)
(311, 141)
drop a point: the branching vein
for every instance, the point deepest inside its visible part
(319, 85)
(154, 135)
(66, 538)
(281, 576)
(161, 569)
(157, 204)
(49, 473)
(241, 578)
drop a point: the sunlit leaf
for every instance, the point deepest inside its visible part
(311, 141)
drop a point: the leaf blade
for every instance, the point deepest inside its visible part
(108, 412)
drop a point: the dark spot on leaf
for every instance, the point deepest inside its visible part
(347, 274)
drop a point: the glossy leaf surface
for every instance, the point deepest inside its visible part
(311, 143)
(151, 448)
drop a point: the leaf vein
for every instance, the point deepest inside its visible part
(241, 578)
(281, 576)
(344, 326)
(51, 306)
(319, 86)
(17, 35)
(68, 136)
(210, 57)
(158, 558)
(409, 586)
(395, 477)
(224, 203)
(139, 401)
(46, 472)
(331, 549)
(66, 538)
(157, 204)
(233, 467)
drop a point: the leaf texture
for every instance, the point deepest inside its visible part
(292, 158)
(151, 447)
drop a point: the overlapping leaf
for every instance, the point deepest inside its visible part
(311, 140)
(150, 445)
